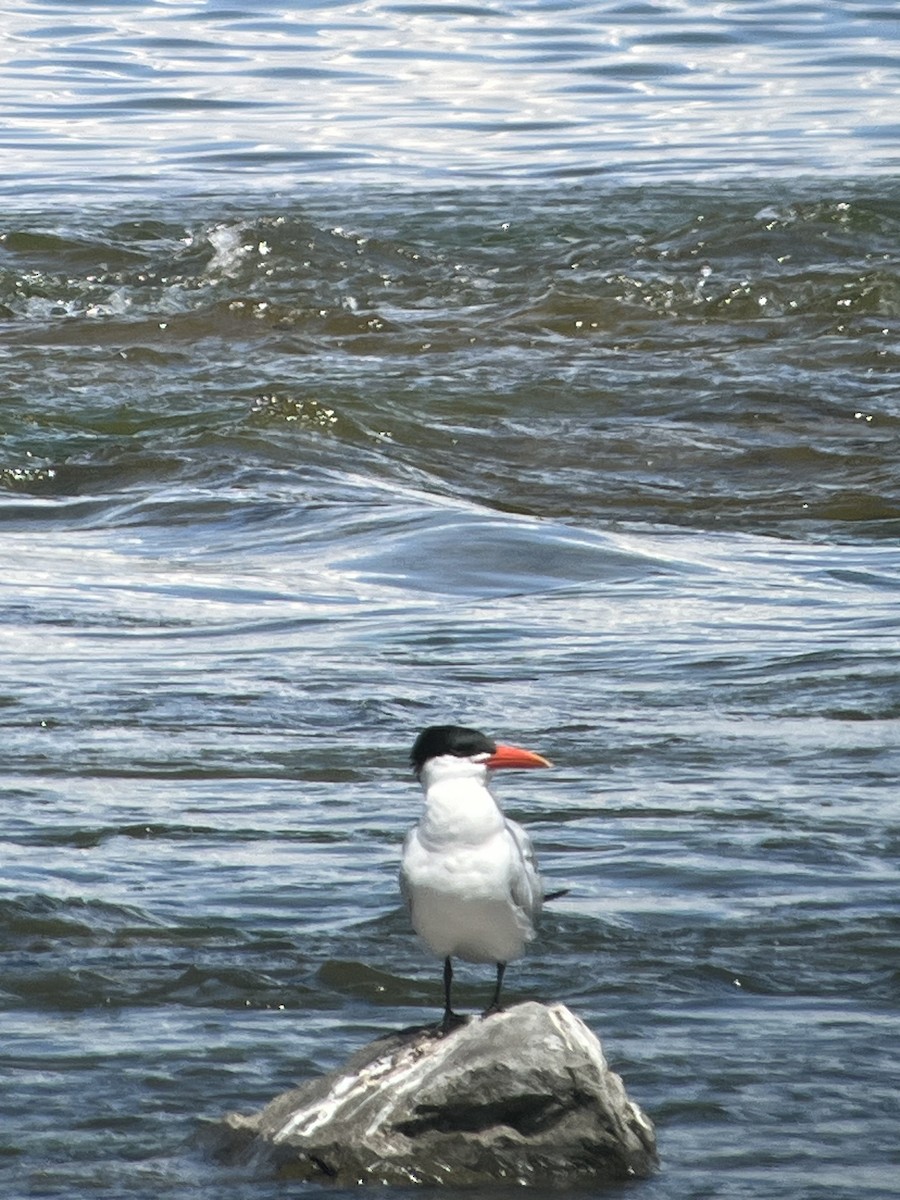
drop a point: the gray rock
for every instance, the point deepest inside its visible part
(521, 1097)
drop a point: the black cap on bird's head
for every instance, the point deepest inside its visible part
(438, 740)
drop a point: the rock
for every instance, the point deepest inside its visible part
(521, 1097)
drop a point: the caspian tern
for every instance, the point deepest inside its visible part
(468, 873)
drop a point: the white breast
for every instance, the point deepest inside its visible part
(477, 900)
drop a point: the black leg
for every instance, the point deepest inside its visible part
(494, 1006)
(448, 983)
(451, 1019)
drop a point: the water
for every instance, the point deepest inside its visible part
(346, 389)
(112, 95)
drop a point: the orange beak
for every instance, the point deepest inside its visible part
(512, 756)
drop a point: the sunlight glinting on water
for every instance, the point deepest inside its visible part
(311, 435)
(373, 88)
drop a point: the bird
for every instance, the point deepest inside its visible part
(468, 873)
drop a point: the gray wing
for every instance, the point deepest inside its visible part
(526, 888)
(404, 882)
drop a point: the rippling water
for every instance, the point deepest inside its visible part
(615, 476)
(114, 94)
(608, 468)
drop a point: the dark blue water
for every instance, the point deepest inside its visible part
(364, 366)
